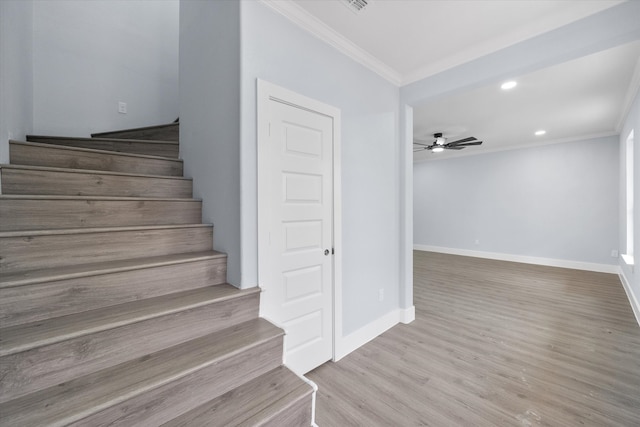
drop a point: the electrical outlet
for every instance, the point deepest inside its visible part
(9, 135)
(122, 107)
(614, 253)
(381, 295)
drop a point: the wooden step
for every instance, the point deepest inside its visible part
(134, 146)
(155, 388)
(42, 354)
(167, 132)
(42, 249)
(277, 398)
(38, 295)
(54, 212)
(39, 180)
(60, 156)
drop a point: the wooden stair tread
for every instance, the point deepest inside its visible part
(114, 198)
(76, 399)
(253, 402)
(150, 146)
(84, 270)
(35, 212)
(94, 150)
(36, 334)
(118, 140)
(166, 125)
(102, 337)
(28, 233)
(91, 171)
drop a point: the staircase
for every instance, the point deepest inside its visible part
(113, 306)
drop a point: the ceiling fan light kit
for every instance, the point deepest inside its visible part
(440, 144)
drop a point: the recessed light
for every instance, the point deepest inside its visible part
(509, 85)
(540, 132)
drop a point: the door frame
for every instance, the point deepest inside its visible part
(267, 92)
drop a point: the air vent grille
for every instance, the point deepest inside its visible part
(356, 6)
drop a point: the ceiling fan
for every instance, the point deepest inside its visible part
(440, 144)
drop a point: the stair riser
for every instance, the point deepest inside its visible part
(58, 183)
(31, 303)
(158, 133)
(46, 366)
(60, 157)
(133, 147)
(165, 403)
(299, 414)
(37, 214)
(56, 250)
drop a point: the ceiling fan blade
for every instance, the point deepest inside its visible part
(424, 144)
(454, 148)
(467, 144)
(471, 138)
(415, 150)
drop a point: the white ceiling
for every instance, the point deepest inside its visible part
(578, 99)
(407, 40)
(419, 38)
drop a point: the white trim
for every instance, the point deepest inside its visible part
(310, 23)
(633, 299)
(405, 201)
(357, 339)
(268, 91)
(550, 262)
(314, 386)
(407, 315)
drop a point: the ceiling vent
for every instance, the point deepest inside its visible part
(356, 6)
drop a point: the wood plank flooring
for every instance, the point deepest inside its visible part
(494, 344)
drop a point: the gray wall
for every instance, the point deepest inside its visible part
(210, 118)
(603, 30)
(218, 138)
(278, 51)
(16, 78)
(88, 55)
(632, 122)
(557, 201)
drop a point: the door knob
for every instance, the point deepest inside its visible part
(326, 252)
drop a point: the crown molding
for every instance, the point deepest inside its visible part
(310, 23)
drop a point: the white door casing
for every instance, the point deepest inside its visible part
(296, 227)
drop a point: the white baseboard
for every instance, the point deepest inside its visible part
(550, 262)
(314, 386)
(357, 339)
(633, 298)
(407, 315)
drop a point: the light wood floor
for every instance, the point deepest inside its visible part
(494, 344)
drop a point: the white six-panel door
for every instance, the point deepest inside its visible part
(296, 231)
